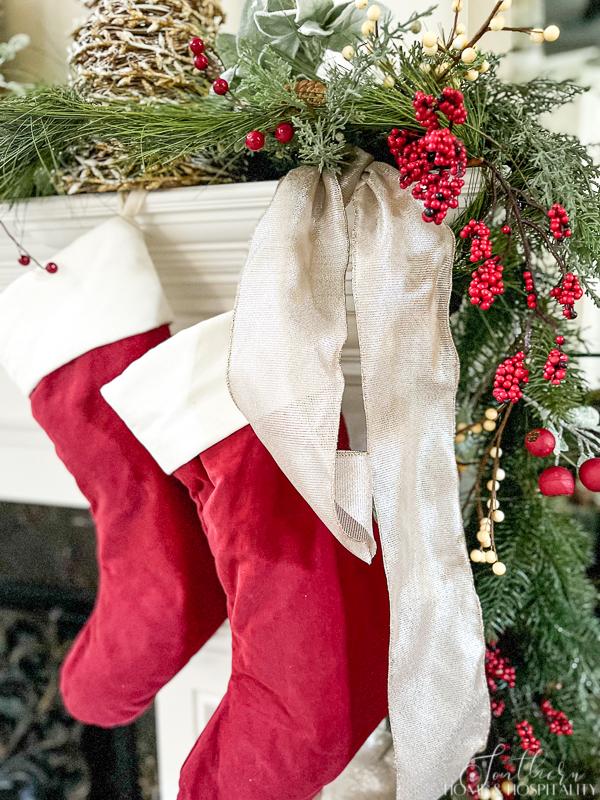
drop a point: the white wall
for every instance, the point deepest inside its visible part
(48, 23)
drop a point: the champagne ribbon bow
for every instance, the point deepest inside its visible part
(285, 376)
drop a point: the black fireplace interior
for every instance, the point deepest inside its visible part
(47, 588)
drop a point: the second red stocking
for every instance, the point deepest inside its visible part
(309, 620)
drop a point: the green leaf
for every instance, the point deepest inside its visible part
(315, 10)
(226, 45)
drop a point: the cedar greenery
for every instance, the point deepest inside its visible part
(543, 609)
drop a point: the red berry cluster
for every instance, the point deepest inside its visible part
(425, 106)
(530, 289)
(472, 778)
(481, 244)
(284, 133)
(498, 707)
(444, 158)
(437, 161)
(558, 722)
(486, 283)
(555, 368)
(500, 674)
(509, 377)
(566, 293)
(559, 222)
(201, 62)
(529, 743)
(506, 760)
(452, 105)
(25, 260)
(498, 668)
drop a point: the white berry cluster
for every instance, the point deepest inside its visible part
(460, 50)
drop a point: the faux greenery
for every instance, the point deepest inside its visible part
(542, 610)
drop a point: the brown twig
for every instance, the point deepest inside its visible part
(510, 195)
(454, 27)
(478, 35)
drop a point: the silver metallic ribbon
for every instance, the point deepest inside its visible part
(285, 376)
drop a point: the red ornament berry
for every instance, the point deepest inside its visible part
(509, 377)
(255, 140)
(197, 45)
(505, 760)
(530, 289)
(51, 267)
(498, 708)
(24, 260)
(506, 230)
(589, 474)
(452, 105)
(498, 669)
(555, 368)
(556, 481)
(435, 162)
(540, 442)
(220, 86)
(425, 107)
(284, 132)
(201, 62)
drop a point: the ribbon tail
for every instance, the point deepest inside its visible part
(285, 371)
(438, 699)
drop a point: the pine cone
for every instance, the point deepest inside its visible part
(311, 92)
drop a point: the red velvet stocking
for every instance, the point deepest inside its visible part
(310, 635)
(159, 598)
(62, 337)
(309, 620)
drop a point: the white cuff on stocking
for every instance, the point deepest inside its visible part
(175, 399)
(106, 289)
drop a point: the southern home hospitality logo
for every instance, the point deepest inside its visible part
(533, 777)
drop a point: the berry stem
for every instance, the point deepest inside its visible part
(454, 27)
(486, 25)
(496, 442)
(549, 244)
(510, 195)
(20, 247)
